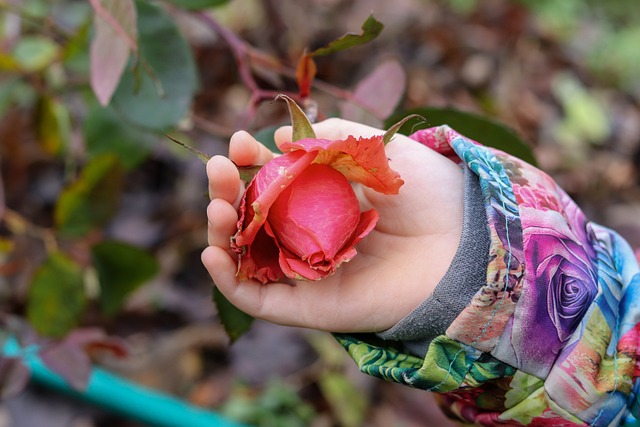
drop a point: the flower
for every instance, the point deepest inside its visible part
(300, 217)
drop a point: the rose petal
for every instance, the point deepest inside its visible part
(260, 260)
(316, 214)
(361, 160)
(294, 267)
(264, 189)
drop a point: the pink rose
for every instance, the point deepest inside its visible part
(299, 216)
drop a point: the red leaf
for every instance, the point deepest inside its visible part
(361, 160)
(115, 37)
(69, 361)
(94, 341)
(378, 93)
(305, 73)
(14, 376)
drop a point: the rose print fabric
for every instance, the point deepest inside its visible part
(552, 337)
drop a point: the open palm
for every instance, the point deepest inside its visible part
(398, 264)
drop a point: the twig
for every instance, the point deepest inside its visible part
(2, 198)
(18, 224)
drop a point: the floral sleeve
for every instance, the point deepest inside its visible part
(552, 337)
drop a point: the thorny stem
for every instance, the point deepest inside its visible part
(245, 55)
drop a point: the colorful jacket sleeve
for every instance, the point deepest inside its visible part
(552, 337)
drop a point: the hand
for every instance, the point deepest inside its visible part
(398, 264)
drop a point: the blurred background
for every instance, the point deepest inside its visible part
(86, 190)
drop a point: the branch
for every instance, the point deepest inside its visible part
(245, 55)
(18, 224)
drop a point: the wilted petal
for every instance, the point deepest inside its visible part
(260, 260)
(361, 160)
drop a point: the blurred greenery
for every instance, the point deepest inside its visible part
(56, 296)
(278, 405)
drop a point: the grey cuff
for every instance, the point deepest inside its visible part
(465, 276)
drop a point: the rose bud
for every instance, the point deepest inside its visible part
(299, 216)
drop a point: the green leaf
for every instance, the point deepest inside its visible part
(266, 137)
(204, 158)
(198, 4)
(301, 125)
(158, 92)
(56, 297)
(53, 125)
(479, 128)
(92, 199)
(391, 132)
(106, 132)
(371, 28)
(585, 115)
(15, 91)
(234, 321)
(122, 268)
(34, 53)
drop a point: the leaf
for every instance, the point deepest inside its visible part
(378, 93)
(70, 361)
(53, 125)
(371, 28)
(198, 4)
(56, 297)
(15, 91)
(105, 132)
(265, 136)
(234, 321)
(14, 376)
(204, 158)
(305, 73)
(479, 128)
(301, 126)
(390, 133)
(92, 199)
(158, 93)
(347, 402)
(122, 268)
(585, 118)
(93, 340)
(34, 53)
(114, 39)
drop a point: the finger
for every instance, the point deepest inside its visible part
(245, 150)
(274, 302)
(224, 180)
(223, 220)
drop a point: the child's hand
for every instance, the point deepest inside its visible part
(398, 265)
